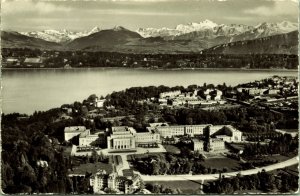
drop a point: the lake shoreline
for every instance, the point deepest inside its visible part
(49, 88)
(151, 69)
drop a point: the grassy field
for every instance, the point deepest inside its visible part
(186, 186)
(135, 156)
(239, 146)
(246, 192)
(91, 168)
(290, 130)
(172, 149)
(279, 158)
(220, 163)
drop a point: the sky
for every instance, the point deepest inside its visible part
(83, 15)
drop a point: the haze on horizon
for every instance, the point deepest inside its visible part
(133, 14)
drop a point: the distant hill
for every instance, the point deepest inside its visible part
(276, 44)
(104, 40)
(123, 40)
(17, 40)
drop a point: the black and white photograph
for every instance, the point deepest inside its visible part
(170, 97)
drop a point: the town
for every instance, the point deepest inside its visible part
(195, 139)
(29, 58)
(159, 97)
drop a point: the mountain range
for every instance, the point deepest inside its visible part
(184, 38)
(59, 36)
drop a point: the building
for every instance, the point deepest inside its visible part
(225, 138)
(121, 138)
(273, 91)
(127, 138)
(101, 180)
(215, 144)
(163, 101)
(236, 135)
(225, 132)
(11, 61)
(207, 97)
(170, 94)
(170, 131)
(150, 137)
(218, 96)
(179, 130)
(253, 91)
(198, 145)
(33, 61)
(159, 124)
(86, 138)
(208, 91)
(193, 130)
(195, 101)
(99, 103)
(70, 132)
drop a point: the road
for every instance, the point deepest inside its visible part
(287, 163)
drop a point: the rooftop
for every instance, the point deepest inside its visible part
(32, 60)
(128, 173)
(197, 140)
(158, 124)
(75, 129)
(119, 129)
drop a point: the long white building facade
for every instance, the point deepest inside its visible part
(170, 131)
(127, 138)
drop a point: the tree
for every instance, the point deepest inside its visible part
(84, 111)
(94, 156)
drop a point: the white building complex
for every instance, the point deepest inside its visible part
(127, 138)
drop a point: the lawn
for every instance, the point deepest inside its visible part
(135, 156)
(290, 130)
(172, 149)
(247, 192)
(279, 158)
(238, 146)
(186, 186)
(220, 163)
(91, 168)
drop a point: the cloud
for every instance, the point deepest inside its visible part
(135, 12)
(14, 7)
(279, 8)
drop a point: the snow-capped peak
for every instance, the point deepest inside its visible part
(119, 28)
(206, 24)
(94, 30)
(277, 28)
(288, 26)
(52, 31)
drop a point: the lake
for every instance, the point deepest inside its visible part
(26, 91)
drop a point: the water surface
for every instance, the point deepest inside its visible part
(26, 91)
